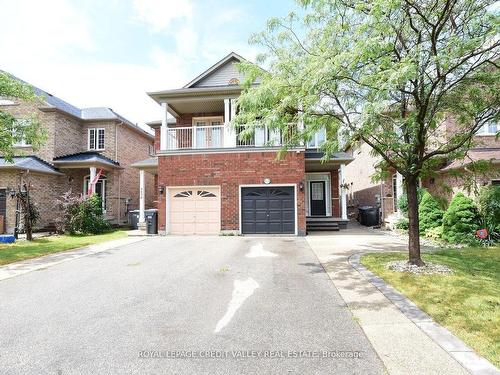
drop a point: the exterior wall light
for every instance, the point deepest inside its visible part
(301, 185)
(161, 189)
(267, 181)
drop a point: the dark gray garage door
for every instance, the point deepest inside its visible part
(268, 210)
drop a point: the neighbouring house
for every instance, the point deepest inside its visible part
(81, 144)
(209, 180)
(451, 178)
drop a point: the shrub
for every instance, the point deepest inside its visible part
(461, 220)
(402, 223)
(429, 212)
(403, 200)
(489, 206)
(435, 233)
(84, 216)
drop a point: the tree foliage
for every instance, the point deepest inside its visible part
(461, 220)
(429, 212)
(384, 72)
(15, 130)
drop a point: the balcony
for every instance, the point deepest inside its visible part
(218, 136)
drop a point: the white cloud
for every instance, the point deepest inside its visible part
(158, 14)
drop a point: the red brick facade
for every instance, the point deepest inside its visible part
(229, 171)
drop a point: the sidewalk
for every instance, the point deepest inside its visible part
(401, 345)
(29, 265)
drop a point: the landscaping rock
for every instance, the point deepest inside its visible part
(428, 269)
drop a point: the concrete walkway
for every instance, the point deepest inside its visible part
(400, 343)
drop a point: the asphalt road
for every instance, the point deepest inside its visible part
(230, 302)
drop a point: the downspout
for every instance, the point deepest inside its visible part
(119, 173)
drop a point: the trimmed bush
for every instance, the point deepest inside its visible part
(489, 207)
(461, 220)
(430, 213)
(81, 216)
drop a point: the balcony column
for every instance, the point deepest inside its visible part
(343, 192)
(142, 200)
(229, 132)
(164, 126)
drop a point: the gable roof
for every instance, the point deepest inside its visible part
(214, 68)
(85, 114)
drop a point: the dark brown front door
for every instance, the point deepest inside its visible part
(3, 208)
(318, 198)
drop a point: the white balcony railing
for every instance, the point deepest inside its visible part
(195, 137)
(206, 137)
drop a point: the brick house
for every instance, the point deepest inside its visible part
(209, 180)
(448, 180)
(81, 143)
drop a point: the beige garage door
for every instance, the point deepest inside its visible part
(195, 210)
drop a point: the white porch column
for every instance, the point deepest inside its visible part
(141, 196)
(164, 126)
(399, 188)
(91, 179)
(343, 192)
(229, 133)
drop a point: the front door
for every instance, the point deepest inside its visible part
(318, 198)
(3, 209)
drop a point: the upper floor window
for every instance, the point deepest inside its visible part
(490, 128)
(96, 139)
(20, 141)
(317, 139)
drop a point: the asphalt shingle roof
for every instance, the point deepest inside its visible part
(88, 156)
(29, 163)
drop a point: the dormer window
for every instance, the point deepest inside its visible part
(96, 139)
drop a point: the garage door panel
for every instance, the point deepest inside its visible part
(261, 204)
(268, 210)
(288, 215)
(194, 210)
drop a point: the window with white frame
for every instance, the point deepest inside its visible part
(317, 139)
(20, 141)
(96, 139)
(490, 128)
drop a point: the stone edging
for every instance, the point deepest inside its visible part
(462, 353)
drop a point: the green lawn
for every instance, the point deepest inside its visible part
(467, 302)
(47, 245)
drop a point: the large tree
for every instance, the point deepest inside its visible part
(15, 130)
(389, 73)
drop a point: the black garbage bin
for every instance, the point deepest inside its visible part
(152, 222)
(368, 216)
(133, 219)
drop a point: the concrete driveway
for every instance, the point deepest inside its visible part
(130, 310)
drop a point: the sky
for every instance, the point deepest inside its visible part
(109, 53)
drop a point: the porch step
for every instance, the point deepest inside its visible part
(322, 226)
(325, 223)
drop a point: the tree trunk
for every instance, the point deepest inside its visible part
(413, 227)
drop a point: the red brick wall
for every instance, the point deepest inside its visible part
(335, 194)
(229, 170)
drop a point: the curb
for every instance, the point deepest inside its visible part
(462, 353)
(34, 264)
